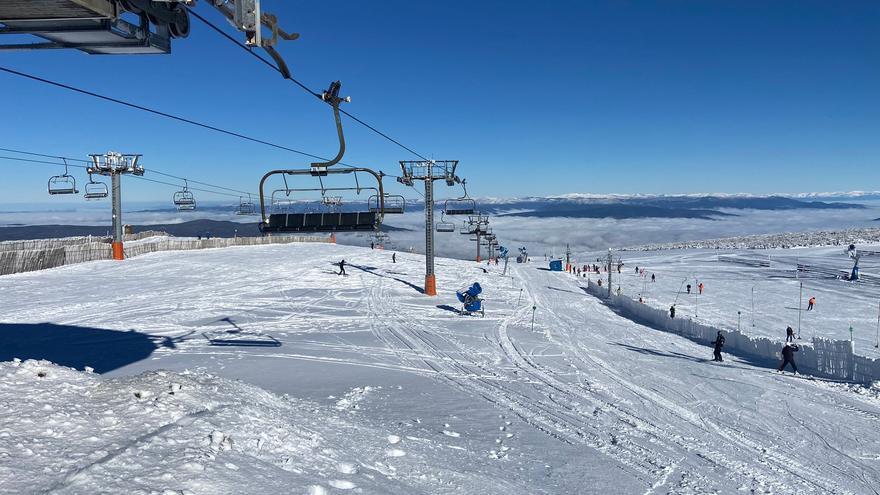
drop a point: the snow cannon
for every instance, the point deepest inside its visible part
(470, 300)
(556, 265)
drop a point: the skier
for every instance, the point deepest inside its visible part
(342, 268)
(600, 282)
(788, 356)
(372, 245)
(810, 303)
(700, 287)
(672, 311)
(637, 270)
(689, 288)
(653, 278)
(789, 334)
(718, 343)
(394, 257)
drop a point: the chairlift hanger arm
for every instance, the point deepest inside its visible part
(331, 97)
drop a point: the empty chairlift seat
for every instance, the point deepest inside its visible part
(395, 204)
(462, 206)
(62, 184)
(96, 190)
(320, 222)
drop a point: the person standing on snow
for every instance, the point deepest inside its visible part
(718, 343)
(700, 287)
(653, 278)
(788, 357)
(672, 311)
(689, 288)
(342, 268)
(394, 257)
(789, 334)
(810, 303)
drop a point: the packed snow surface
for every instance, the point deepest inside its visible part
(259, 370)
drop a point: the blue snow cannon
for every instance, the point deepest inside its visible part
(556, 266)
(470, 299)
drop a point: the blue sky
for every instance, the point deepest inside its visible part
(533, 98)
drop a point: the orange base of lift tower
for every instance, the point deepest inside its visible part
(118, 252)
(430, 285)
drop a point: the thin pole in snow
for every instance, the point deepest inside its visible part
(519, 298)
(753, 306)
(696, 298)
(800, 310)
(534, 307)
(877, 344)
(738, 320)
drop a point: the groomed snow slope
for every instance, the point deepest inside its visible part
(587, 402)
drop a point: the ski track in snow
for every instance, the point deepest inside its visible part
(642, 408)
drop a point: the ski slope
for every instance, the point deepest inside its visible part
(777, 294)
(294, 379)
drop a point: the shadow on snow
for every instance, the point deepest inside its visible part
(77, 347)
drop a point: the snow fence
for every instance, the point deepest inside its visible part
(28, 256)
(823, 357)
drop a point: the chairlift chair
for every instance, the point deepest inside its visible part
(460, 206)
(395, 204)
(62, 184)
(322, 221)
(245, 207)
(443, 225)
(95, 189)
(184, 200)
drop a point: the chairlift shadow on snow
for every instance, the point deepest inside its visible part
(77, 347)
(654, 352)
(239, 337)
(447, 307)
(372, 271)
(562, 290)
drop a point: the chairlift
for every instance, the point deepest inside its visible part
(245, 207)
(95, 189)
(183, 199)
(460, 206)
(290, 222)
(443, 225)
(395, 204)
(62, 184)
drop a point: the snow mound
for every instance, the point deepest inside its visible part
(69, 431)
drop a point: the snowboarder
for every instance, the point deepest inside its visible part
(810, 303)
(394, 257)
(700, 287)
(718, 343)
(788, 356)
(689, 288)
(653, 278)
(342, 268)
(789, 334)
(672, 311)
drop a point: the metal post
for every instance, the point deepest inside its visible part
(430, 279)
(519, 298)
(478, 243)
(609, 272)
(877, 344)
(118, 251)
(753, 306)
(800, 310)
(696, 299)
(738, 320)
(534, 307)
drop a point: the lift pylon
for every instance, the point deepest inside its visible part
(428, 171)
(115, 165)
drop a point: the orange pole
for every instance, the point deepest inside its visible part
(118, 252)
(333, 238)
(430, 285)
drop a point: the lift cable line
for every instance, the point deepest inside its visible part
(167, 115)
(29, 160)
(286, 75)
(156, 112)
